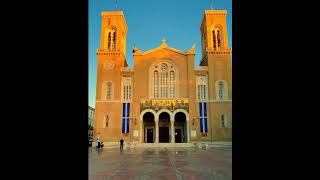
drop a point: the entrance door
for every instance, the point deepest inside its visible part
(178, 135)
(163, 134)
(149, 135)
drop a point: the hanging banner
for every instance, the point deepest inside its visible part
(125, 117)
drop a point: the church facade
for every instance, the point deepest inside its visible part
(164, 97)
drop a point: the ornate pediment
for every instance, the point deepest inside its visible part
(163, 46)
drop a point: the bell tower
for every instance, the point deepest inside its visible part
(111, 60)
(113, 32)
(213, 29)
(216, 56)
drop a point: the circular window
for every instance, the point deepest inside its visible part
(164, 67)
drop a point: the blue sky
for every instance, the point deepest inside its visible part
(149, 21)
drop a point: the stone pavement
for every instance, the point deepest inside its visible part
(161, 163)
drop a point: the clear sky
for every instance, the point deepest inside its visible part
(149, 21)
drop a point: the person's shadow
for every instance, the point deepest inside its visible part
(99, 150)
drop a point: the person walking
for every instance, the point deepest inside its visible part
(98, 143)
(121, 144)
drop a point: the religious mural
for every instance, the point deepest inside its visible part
(157, 104)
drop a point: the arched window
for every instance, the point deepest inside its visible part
(217, 38)
(126, 89)
(156, 84)
(114, 40)
(109, 90)
(223, 120)
(106, 121)
(106, 91)
(164, 78)
(214, 40)
(110, 39)
(171, 84)
(221, 90)
(129, 92)
(202, 88)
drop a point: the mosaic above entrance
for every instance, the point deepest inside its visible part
(170, 104)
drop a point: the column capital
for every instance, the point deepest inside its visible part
(172, 120)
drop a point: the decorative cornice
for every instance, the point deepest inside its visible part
(126, 71)
(225, 52)
(216, 12)
(201, 68)
(106, 52)
(112, 13)
(201, 71)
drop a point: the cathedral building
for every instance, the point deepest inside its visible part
(164, 97)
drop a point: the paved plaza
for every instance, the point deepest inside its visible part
(161, 163)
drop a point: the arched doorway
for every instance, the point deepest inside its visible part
(180, 128)
(164, 127)
(149, 127)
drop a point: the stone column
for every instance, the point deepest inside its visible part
(157, 129)
(188, 131)
(172, 131)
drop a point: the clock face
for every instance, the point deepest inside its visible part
(109, 65)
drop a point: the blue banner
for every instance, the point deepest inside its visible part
(203, 117)
(123, 122)
(125, 117)
(123, 109)
(205, 125)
